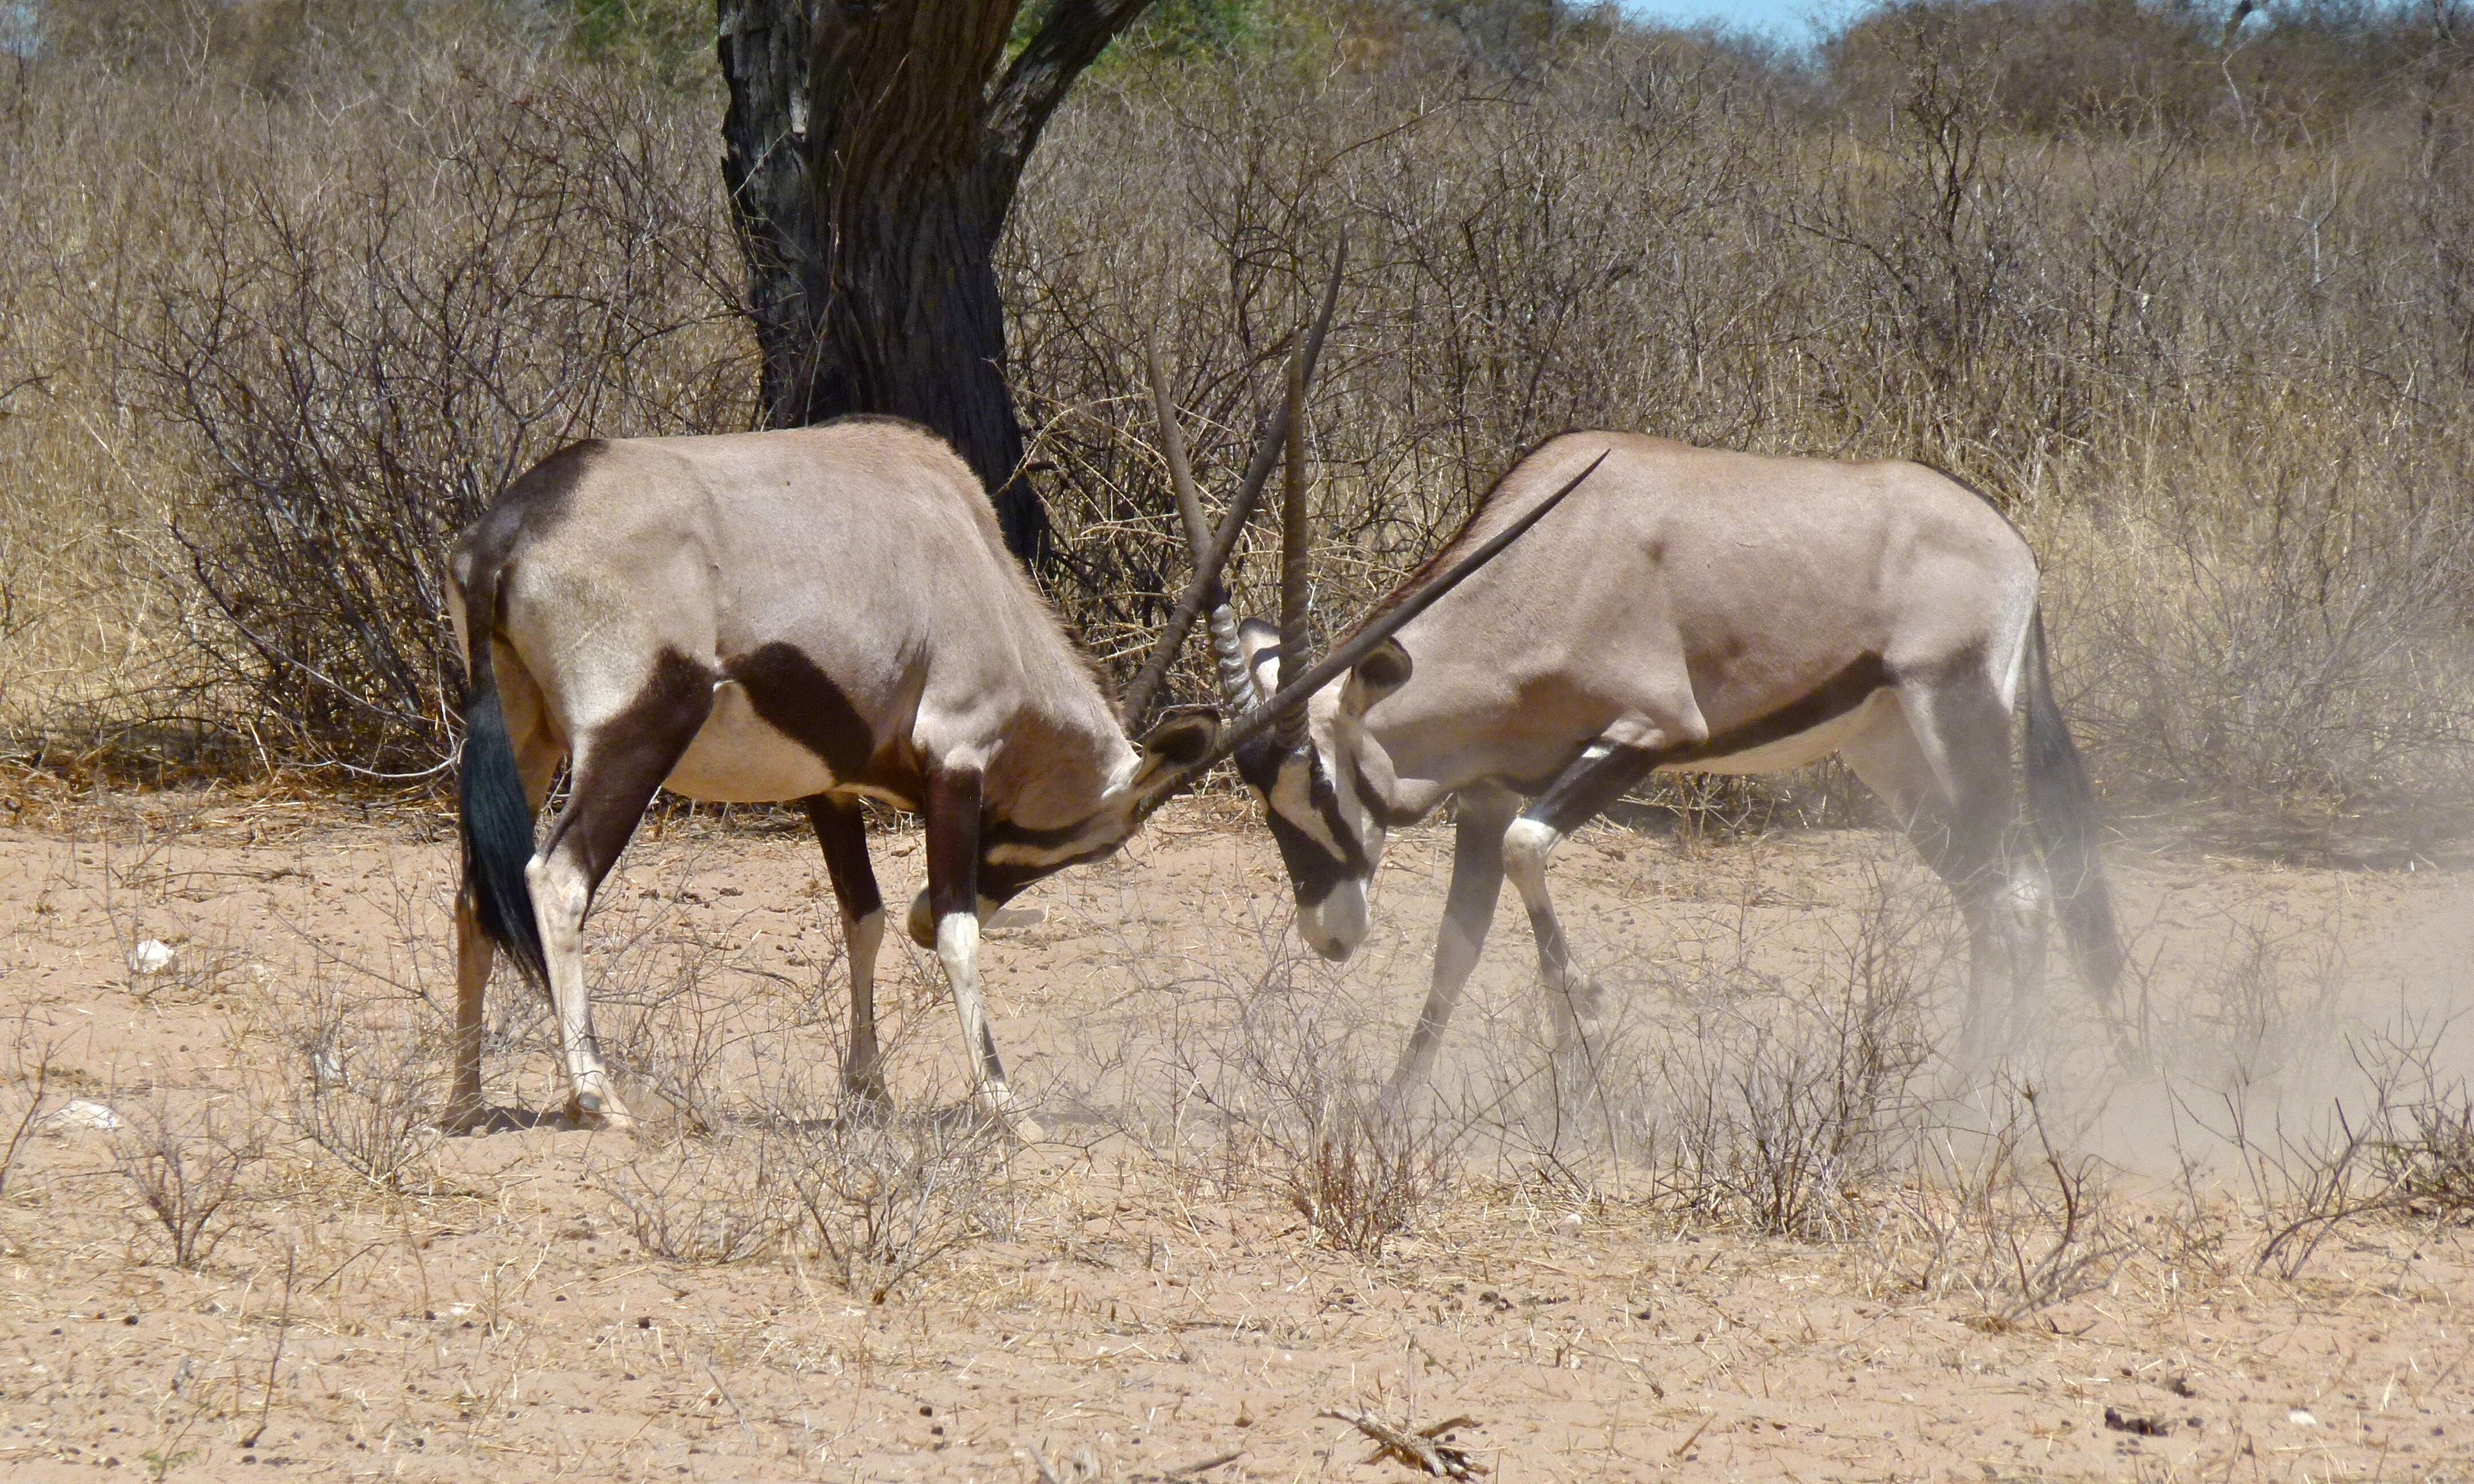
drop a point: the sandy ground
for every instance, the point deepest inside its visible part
(1138, 1299)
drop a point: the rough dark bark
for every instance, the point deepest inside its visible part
(872, 149)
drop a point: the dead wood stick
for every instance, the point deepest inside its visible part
(1416, 1450)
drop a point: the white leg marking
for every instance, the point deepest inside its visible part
(559, 899)
(958, 949)
(1526, 844)
(1572, 999)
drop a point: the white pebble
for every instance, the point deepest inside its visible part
(80, 1116)
(2301, 1419)
(151, 957)
(1569, 1225)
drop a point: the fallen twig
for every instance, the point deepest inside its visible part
(1419, 1450)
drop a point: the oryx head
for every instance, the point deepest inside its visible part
(1313, 781)
(1298, 727)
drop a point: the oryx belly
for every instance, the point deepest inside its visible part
(740, 758)
(1802, 748)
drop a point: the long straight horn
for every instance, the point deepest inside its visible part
(1297, 561)
(1209, 564)
(1236, 683)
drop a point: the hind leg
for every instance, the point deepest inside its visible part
(1941, 760)
(842, 829)
(620, 764)
(538, 751)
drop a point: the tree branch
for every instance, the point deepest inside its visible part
(1075, 32)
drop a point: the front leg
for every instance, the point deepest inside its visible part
(1468, 911)
(842, 829)
(954, 901)
(1604, 774)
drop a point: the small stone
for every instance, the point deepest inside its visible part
(1569, 1225)
(81, 1115)
(2301, 1419)
(151, 957)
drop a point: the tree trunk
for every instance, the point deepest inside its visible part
(871, 151)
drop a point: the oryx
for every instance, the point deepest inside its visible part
(1696, 611)
(823, 614)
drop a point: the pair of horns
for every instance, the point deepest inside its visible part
(1283, 433)
(1284, 428)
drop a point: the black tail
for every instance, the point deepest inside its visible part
(2062, 810)
(497, 818)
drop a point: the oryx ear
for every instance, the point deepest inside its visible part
(1261, 643)
(1169, 749)
(1180, 741)
(1384, 670)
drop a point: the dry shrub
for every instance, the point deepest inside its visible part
(1280, 1060)
(2004, 1216)
(25, 1088)
(2429, 1160)
(311, 365)
(189, 1170)
(2390, 1145)
(885, 1198)
(363, 359)
(1369, 1175)
(1779, 1109)
(2260, 1007)
(368, 1082)
(703, 1200)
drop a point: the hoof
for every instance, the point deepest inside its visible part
(599, 1111)
(998, 1108)
(1580, 1022)
(867, 1096)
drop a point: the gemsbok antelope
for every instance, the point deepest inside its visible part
(1700, 611)
(823, 614)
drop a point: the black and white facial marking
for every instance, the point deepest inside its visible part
(1323, 842)
(1329, 825)
(1013, 858)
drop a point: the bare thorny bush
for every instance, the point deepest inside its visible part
(1779, 1105)
(873, 1200)
(2001, 1214)
(367, 1073)
(2395, 1144)
(189, 1167)
(322, 362)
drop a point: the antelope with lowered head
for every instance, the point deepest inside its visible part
(823, 614)
(1700, 611)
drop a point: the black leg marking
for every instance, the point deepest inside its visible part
(954, 842)
(624, 762)
(842, 829)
